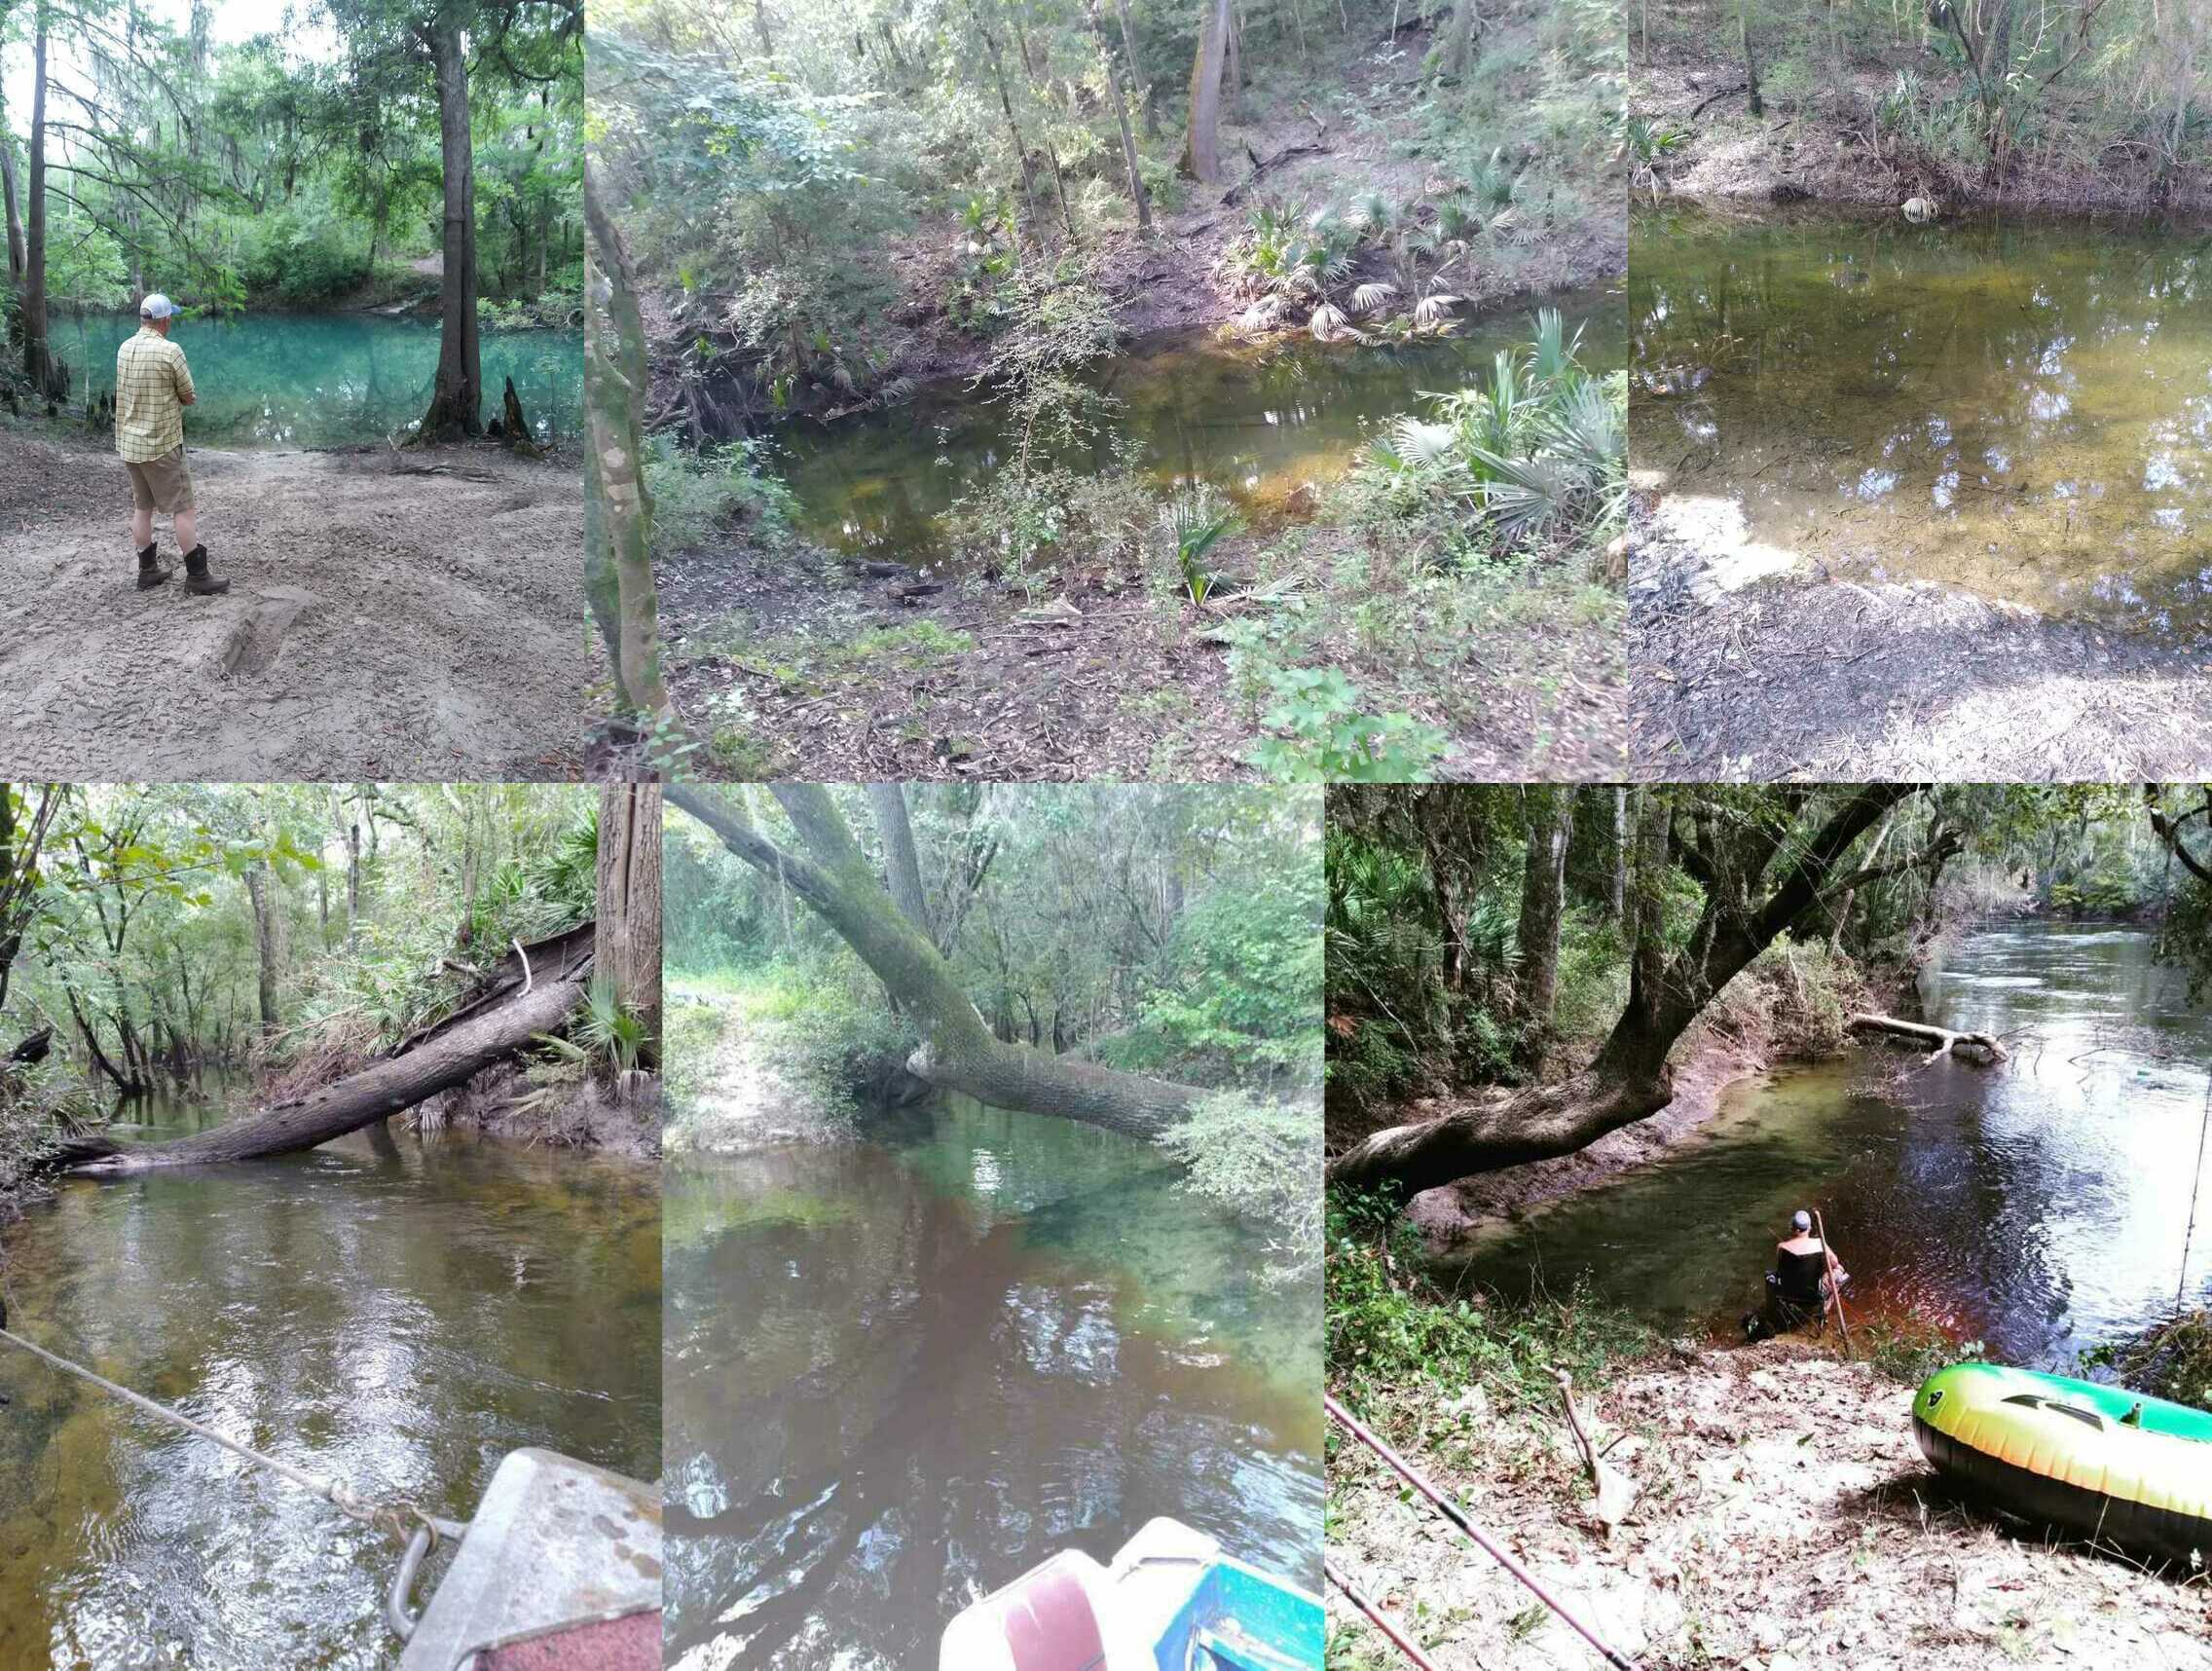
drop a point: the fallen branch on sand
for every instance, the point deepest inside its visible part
(1616, 1492)
(527, 993)
(1981, 1048)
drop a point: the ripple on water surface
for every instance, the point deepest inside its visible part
(397, 1317)
(2018, 407)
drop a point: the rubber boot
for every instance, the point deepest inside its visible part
(196, 575)
(151, 574)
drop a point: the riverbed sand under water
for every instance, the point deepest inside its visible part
(1784, 1521)
(390, 614)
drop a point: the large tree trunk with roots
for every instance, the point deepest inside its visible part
(627, 949)
(958, 1052)
(618, 564)
(1629, 1078)
(521, 1003)
(457, 400)
(1201, 147)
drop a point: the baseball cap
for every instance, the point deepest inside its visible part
(156, 307)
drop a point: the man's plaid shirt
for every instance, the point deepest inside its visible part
(151, 382)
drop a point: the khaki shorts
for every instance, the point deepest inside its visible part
(161, 484)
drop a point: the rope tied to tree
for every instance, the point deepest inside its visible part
(399, 1519)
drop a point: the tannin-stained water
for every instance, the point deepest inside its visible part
(902, 1371)
(1264, 423)
(396, 1315)
(2039, 1207)
(330, 379)
(2019, 407)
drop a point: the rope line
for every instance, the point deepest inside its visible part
(2181, 1285)
(397, 1518)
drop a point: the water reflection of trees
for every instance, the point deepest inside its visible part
(923, 1398)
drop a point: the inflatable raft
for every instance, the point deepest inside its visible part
(2098, 1461)
(1171, 1601)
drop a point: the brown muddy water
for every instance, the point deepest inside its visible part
(2039, 1207)
(901, 1371)
(393, 1316)
(2018, 407)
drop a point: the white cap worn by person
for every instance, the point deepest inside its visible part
(157, 307)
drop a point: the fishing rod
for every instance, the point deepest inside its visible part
(1489, 1546)
(1359, 1600)
(1835, 1287)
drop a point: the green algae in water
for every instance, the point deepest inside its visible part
(2022, 408)
(329, 380)
(1265, 423)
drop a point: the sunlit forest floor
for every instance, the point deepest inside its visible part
(1796, 677)
(392, 615)
(1784, 1519)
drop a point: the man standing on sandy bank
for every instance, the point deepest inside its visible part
(153, 385)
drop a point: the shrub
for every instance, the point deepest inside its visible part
(1261, 1159)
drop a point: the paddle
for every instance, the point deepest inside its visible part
(1836, 1289)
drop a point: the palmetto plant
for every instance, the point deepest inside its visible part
(1649, 141)
(1197, 521)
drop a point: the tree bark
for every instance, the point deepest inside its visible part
(626, 949)
(1544, 894)
(265, 930)
(902, 865)
(11, 209)
(1629, 1078)
(457, 399)
(958, 1051)
(1201, 147)
(1458, 40)
(618, 512)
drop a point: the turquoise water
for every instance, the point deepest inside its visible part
(330, 379)
(903, 1370)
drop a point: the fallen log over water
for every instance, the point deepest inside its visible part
(530, 991)
(1981, 1048)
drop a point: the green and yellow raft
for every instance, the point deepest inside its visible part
(2099, 1461)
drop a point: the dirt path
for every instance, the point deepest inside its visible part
(1745, 666)
(399, 615)
(1784, 1521)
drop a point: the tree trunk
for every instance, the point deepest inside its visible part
(1544, 894)
(450, 1055)
(11, 209)
(1750, 64)
(1138, 195)
(627, 946)
(1619, 897)
(1460, 40)
(38, 363)
(958, 1052)
(457, 400)
(1201, 147)
(902, 865)
(618, 512)
(264, 909)
(1981, 1048)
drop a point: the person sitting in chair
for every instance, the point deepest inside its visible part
(1805, 1277)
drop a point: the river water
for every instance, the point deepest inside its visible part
(2014, 406)
(902, 1371)
(1260, 422)
(397, 1317)
(2039, 1207)
(331, 380)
